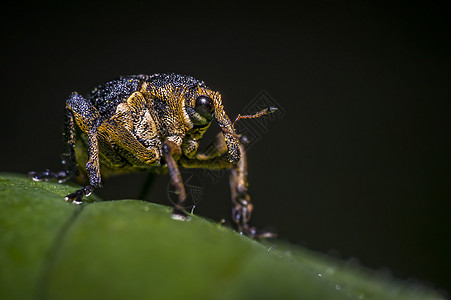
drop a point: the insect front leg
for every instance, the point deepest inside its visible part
(92, 168)
(88, 119)
(242, 206)
(215, 157)
(170, 149)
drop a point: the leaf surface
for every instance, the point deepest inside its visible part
(130, 249)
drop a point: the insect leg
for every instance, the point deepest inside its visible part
(242, 206)
(88, 120)
(92, 168)
(215, 158)
(68, 157)
(170, 149)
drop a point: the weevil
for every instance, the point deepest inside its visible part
(152, 123)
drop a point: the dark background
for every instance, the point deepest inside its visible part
(359, 163)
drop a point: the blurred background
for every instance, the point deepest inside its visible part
(357, 165)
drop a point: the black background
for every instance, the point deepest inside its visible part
(359, 163)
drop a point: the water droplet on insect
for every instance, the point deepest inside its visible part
(320, 275)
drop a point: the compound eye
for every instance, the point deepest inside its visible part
(204, 106)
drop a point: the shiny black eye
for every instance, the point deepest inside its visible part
(204, 106)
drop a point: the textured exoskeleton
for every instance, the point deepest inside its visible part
(154, 123)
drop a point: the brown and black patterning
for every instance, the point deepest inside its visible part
(155, 123)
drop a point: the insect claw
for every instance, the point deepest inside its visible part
(178, 213)
(75, 197)
(259, 234)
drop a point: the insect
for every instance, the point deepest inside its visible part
(141, 123)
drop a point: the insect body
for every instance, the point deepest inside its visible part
(154, 123)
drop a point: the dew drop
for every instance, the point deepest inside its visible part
(180, 217)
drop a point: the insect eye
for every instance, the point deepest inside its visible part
(204, 106)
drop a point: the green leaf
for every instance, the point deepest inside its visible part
(129, 249)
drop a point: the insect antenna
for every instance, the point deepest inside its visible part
(266, 111)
